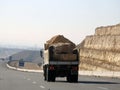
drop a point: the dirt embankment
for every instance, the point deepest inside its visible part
(27, 65)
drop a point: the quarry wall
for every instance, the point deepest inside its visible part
(101, 51)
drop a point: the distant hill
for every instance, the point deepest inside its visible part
(6, 52)
(28, 55)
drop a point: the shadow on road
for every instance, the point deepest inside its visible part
(89, 82)
(97, 82)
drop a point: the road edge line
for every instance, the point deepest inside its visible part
(25, 70)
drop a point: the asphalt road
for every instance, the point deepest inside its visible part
(16, 80)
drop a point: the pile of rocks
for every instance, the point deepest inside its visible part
(62, 48)
(58, 39)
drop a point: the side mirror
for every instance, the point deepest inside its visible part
(41, 54)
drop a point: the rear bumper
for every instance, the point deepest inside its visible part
(65, 70)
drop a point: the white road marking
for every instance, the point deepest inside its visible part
(42, 87)
(28, 79)
(103, 88)
(34, 82)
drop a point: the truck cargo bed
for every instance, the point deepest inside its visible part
(65, 57)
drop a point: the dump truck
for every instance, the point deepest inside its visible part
(60, 60)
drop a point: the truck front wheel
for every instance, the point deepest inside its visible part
(47, 75)
(50, 75)
(44, 73)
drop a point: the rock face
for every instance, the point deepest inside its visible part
(109, 30)
(101, 51)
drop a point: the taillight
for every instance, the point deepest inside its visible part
(52, 68)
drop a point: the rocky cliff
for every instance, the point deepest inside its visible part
(101, 51)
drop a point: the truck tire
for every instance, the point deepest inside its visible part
(48, 75)
(72, 78)
(44, 73)
(45, 77)
(52, 75)
(68, 79)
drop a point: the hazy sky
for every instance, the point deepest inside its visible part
(32, 22)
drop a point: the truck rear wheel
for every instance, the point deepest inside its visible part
(53, 79)
(68, 79)
(72, 78)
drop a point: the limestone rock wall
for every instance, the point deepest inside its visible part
(111, 43)
(108, 30)
(101, 51)
(99, 60)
